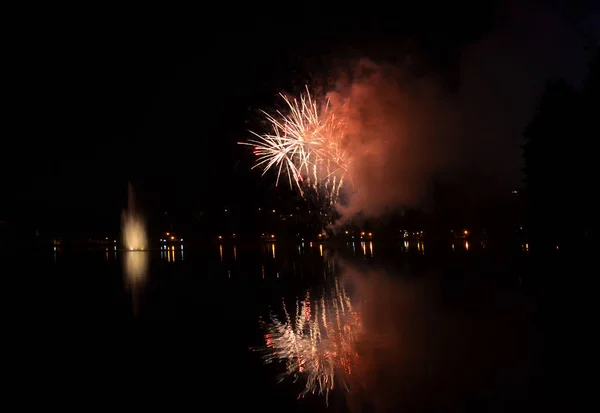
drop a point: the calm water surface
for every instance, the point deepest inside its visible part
(394, 326)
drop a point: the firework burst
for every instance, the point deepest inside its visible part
(307, 143)
(319, 343)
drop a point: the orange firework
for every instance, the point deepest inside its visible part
(307, 143)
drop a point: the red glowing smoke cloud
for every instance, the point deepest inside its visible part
(392, 135)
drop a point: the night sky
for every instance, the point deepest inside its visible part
(162, 103)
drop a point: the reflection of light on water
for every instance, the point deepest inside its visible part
(168, 253)
(329, 269)
(262, 270)
(363, 246)
(371, 248)
(136, 266)
(136, 269)
(321, 249)
(319, 343)
(467, 245)
(234, 253)
(221, 252)
(273, 249)
(107, 255)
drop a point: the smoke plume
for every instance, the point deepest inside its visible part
(392, 138)
(405, 131)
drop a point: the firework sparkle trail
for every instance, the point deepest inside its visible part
(308, 144)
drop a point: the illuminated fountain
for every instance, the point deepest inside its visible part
(136, 256)
(134, 230)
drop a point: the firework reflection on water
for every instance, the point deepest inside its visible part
(317, 344)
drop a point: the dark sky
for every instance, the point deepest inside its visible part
(163, 102)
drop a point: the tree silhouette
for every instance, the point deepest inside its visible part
(558, 157)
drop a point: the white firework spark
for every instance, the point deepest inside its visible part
(307, 143)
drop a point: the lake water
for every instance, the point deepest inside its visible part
(396, 327)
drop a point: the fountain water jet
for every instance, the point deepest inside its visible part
(134, 230)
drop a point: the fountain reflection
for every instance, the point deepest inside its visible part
(136, 268)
